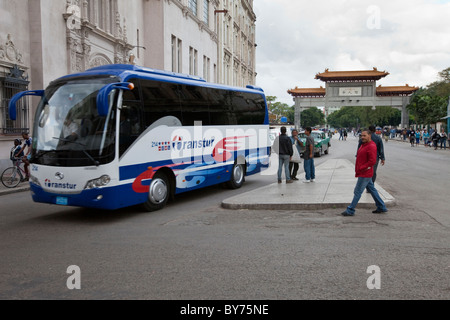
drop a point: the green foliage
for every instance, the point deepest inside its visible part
(427, 109)
(429, 105)
(312, 117)
(362, 117)
(280, 109)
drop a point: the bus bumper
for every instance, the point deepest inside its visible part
(111, 198)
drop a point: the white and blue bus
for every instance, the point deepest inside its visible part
(122, 135)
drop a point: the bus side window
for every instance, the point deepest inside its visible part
(220, 108)
(161, 99)
(194, 105)
(130, 125)
(249, 108)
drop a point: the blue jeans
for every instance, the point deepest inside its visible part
(283, 161)
(361, 185)
(310, 170)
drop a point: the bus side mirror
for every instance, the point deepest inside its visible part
(103, 96)
(17, 97)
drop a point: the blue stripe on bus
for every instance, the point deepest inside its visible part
(132, 171)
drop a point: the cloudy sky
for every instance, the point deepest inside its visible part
(299, 38)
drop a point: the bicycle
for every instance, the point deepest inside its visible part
(14, 175)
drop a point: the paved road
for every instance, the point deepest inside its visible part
(194, 249)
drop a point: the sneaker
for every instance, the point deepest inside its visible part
(306, 181)
(290, 181)
(379, 211)
(295, 179)
(346, 214)
(313, 180)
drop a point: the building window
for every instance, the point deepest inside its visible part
(192, 5)
(206, 66)
(10, 84)
(102, 13)
(180, 55)
(177, 54)
(174, 53)
(193, 61)
(206, 11)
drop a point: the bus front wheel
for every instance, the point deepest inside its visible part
(159, 192)
(237, 177)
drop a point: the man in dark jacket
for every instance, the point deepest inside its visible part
(365, 161)
(380, 151)
(285, 153)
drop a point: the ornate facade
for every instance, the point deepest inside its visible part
(94, 27)
(43, 40)
(236, 25)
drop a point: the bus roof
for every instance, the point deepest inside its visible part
(127, 71)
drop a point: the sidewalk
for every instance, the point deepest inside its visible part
(333, 188)
(23, 186)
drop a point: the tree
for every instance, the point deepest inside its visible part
(277, 108)
(427, 109)
(354, 117)
(312, 117)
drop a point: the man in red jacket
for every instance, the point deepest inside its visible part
(365, 160)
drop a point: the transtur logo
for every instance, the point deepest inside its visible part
(179, 144)
(69, 186)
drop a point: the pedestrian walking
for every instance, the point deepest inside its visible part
(435, 137)
(308, 157)
(380, 151)
(295, 165)
(283, 146)
(426, 137)
(386, 135)
(417, 137)
(443, 139)
(365, 161)
(412, 137)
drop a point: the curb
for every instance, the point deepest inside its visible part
(5, 191)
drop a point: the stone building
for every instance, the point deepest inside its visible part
(41, 40)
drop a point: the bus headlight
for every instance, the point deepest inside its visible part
(34, 180)
(99, 182)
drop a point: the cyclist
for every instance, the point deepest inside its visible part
(17, 151)
(27, 155)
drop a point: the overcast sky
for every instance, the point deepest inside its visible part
(299, 38)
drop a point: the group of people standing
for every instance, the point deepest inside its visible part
(284, 147)
(430, 138)
(369, 154)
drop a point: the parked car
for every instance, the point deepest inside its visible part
(322, 142)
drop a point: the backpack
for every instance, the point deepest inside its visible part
(11, 154)
(13, 151)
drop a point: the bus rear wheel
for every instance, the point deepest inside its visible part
(159, 192)
(237, 177)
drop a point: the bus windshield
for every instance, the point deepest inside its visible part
(68, 130)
